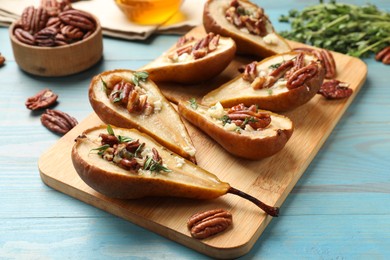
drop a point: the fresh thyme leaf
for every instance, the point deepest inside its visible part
(139, 149)
(109, 130)
(139, 76)
(104, 84)
(153, 166)
(350, 29)
(225, 120)
(269, 91)
(124, 139)
(101, 149)
(193, 103)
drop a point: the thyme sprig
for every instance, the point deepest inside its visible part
(139, 76)
(193, 103)
(154, 166)
(350, 29)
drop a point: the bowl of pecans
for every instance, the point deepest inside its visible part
(56, 40)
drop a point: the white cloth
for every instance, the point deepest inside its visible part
(114, 22)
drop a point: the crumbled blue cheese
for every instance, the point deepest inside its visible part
(271, 39)
(216, 111)
(190, 150)
(230, 127)
(179, 161)
(157, 105)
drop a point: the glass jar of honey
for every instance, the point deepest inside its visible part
(147, 12)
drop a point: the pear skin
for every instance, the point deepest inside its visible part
(176, 176)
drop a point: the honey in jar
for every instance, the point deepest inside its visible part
(149, 12)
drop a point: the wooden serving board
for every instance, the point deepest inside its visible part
(270, 179)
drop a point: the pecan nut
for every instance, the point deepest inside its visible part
(46, 37)
(78, 18)
(24, 36)
(205, 224)
(34, 19)
(58, 121)
(2, 60)
(334, 89)
(241, 116)
(299, 77)
(384, 55)
(43, 99)
(326, 58)
(54, 7)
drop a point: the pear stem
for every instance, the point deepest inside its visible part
(272, 211)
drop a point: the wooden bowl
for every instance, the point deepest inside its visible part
(59, 60)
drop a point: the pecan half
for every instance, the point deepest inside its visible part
(54, 7)
(250, 72)
(205, 224)
(46, 37)
(24, 36)
(384, 55)
(34, 19)
(78, 18)
(335, 89)
(326, 58)
(241, 116)
(251, 19)
(43, 99)
(299, 77)
(2, 60)
(58, 121)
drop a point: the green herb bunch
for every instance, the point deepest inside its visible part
(354, 30)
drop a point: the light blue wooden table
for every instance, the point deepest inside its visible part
(340, 208)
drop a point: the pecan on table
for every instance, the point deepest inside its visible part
(335, 89)
(384, 55)
(2, 60)
(43, 99)
(58, 121)
(205, 224)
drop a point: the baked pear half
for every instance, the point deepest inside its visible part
(130, 99)
(126, 164)
(247, 24)
(193, 60)
(246, 132)
(279, 83)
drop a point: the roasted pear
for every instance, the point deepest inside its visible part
(126, 164)
(247, 24)
(130, 99)
(279, 83)
(246, 132)
(193, 60)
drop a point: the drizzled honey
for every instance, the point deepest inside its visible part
(147, 12)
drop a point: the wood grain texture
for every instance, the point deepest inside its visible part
(269, 179)
(339, 208)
